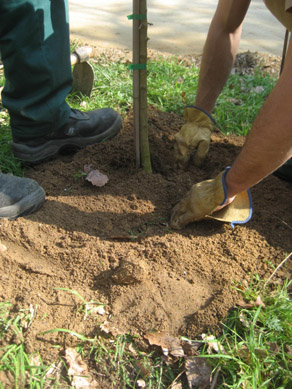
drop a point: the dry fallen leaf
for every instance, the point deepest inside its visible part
(79, 370)
(105, 327)
(213, 344)
(168, 343)
(191, 347)
(168, 360)
(95, 176)
(244, 353)
(198, 373)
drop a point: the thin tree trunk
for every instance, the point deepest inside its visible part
(140, 85)
(144, 143)
(136, 82)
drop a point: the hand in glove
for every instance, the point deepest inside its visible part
(209, 199)
(195, 134)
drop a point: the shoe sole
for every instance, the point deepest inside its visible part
(50, 149)
(27, 205)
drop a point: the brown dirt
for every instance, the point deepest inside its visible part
(113, 244)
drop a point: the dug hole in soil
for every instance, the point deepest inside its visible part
(113, 244)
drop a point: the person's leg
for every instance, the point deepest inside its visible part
(285, 171)
(82, 129)
(219, 51)
(35, 50)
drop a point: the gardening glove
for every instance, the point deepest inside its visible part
(203, 200)
(195, 134)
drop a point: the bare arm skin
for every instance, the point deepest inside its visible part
(218, 57)
(269, 143)
(220, 50)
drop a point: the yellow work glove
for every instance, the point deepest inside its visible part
(194, 136)
(204, 198)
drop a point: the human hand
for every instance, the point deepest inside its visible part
(195, 136)
(209, 199)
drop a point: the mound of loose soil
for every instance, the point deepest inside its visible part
(113, 244)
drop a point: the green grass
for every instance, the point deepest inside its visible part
(117, 359)
(237, 119)
(8, 164)
(122, 364)
(257, 342)
(20, 369)
(171, 86)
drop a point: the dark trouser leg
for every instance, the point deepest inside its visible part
(285, 172)
(35, 51)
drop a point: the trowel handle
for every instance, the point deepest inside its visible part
(81, 54)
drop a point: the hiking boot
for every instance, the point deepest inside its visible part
(285, 171)
(82, 129)
(19, 196)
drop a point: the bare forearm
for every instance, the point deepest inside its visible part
(217, 62)
(219, 52)
(269, 143)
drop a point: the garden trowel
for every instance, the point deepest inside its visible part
(83, 74)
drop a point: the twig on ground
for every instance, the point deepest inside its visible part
(176, 378)
(277, 268)
(215, 378)
(276, 217)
